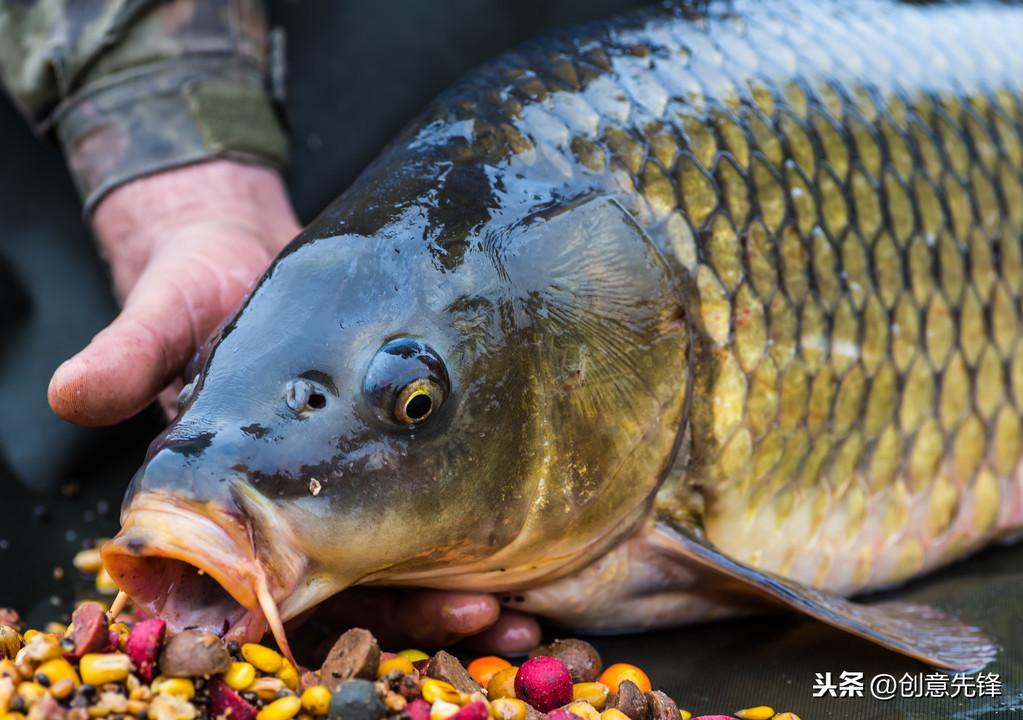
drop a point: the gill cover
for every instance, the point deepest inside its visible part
(596, 349)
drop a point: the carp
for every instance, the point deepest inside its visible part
(636, 325)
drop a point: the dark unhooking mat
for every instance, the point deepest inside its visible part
(357, 72)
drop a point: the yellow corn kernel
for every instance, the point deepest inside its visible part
(266, 688)
(502, 684)
(39, 648)
(240, 675)
(613, 714)
(396, 663)
(263, 658)
(434, 690)
(581, 708)
(288, 674)
(62, 688)
(136, 707)
(442, 710)
(786, 716)
(57, 670)
(316, 700)
(178, 687)
(414, 655)
(31, 692)
(508, 709)
(142, 692)
(56, 628)
(394, 702)
(29, 634)
(99, 668)
(9, 670)
(88, 561)
(685, 714)
(7, 690)
(169, 707)
(594, 693)
(760, 712)
(121, 629)
(25, 671)
(105, 584)
(283, 709)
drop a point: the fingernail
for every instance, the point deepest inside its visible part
(469, 615)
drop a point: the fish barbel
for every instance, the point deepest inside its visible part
(635, 323)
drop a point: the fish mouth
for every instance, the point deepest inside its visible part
(195, 565)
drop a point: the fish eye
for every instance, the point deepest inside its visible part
(406, 382)
(417, 400)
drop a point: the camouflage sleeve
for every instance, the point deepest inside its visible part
(133, 87)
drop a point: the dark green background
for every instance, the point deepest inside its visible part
(357, 72)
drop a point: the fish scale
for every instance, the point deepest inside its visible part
(841, 186)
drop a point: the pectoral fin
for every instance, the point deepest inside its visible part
(919, 631)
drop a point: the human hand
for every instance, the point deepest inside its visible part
(184, 247)
(427, 619)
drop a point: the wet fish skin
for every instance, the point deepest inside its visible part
(836, 195)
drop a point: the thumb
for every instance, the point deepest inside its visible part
(176, 303)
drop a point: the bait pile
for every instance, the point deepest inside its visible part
(96, 668)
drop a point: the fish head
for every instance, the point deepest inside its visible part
(381, 411)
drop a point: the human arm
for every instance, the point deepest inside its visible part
(165, 115)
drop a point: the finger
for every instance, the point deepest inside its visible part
(514, 633)
(118, 373)
(168, 399)
(398, 617)
(434, 618)
(177, 301)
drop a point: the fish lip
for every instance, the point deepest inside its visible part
(210, 538)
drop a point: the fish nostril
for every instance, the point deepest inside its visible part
(302, 395)
(317, 400)
(297, 393)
